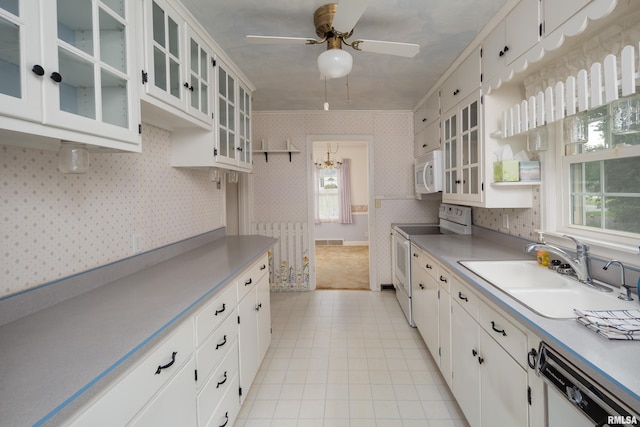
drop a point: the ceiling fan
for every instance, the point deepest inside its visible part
(334, 25)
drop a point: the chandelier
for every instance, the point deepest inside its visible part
(328, 163)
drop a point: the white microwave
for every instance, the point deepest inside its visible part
(428, 173)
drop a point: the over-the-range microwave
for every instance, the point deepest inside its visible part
(428, 173)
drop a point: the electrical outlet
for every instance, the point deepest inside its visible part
(378, 203)
(136, 244)
(505, 223)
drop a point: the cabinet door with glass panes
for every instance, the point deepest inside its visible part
(461, 152)
(75, 70)
(164, 32)
(244, 127)
(198, 83)
(226, 151)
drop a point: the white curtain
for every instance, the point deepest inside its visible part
(344, 192)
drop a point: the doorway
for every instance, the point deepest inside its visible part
(342, 251)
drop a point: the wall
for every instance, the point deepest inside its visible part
(54, 225)
(279, 188)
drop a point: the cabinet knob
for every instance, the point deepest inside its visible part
(480, 360)
(186, 85)
(421, 286)
(56, 77)
(474, 352)
(424, 145)
(458, 181)
(429, 267)
(38, 70)
(424, 120)
(455, 92)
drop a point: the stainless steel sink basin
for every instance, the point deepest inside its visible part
(543, 290)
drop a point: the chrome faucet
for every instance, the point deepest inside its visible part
(581, 264)
(625, 290)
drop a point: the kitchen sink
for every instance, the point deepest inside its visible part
(543, 290)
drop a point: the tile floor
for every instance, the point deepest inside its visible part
(346, 358)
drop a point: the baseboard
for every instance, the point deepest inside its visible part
(356, 243)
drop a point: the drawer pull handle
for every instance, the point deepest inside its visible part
(223, 381)
(500, 331)
(226, 416)
(443, 279)
(532, 358)
(221, 310)
(223, 342)
(248, 282)
(262, 267)
(429, 267)
(258, 307)
(173, 360)
(462, 297)
(421, 286)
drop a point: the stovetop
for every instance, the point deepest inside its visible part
(408, 230)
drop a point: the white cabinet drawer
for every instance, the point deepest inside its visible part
(209, 355)
(467, 299)
(226, 413)
(252, 275)
(223, 381)
(175, 404)
(512, 339)
(212, 316)
(120, 402)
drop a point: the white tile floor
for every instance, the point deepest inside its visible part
(346, 358)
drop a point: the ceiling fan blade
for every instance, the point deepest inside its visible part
(390, 48)
(279, 40)
(348, 13)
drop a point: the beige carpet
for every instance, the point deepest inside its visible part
(342, 267)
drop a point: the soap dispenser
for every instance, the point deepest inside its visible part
(541, 255)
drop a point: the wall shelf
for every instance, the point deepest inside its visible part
(266, 153)
(516, 184)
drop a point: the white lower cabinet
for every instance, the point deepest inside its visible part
(481, 354)
(489, 377)
(174, 405)
(195, 376)
(254, 313)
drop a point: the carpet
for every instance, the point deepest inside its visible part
(342, 267)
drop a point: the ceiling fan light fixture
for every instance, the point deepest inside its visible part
(335, 63)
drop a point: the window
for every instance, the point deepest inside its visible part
(603, 191)
(328, 201)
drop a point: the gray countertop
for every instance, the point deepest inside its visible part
(54, 360)
(613, 364)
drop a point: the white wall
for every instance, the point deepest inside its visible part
(279, 188)
(54, 225)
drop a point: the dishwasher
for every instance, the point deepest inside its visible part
(574, 399)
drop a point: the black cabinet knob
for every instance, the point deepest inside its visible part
(38, 70)
(56, 77)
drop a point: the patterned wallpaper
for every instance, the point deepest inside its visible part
(522, 222)
(279, 188)
(54, 225)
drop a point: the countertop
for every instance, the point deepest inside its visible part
(613, 364)
(54, 360)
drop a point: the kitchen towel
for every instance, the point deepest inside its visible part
(613, 324)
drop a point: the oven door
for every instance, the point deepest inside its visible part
(401, 263)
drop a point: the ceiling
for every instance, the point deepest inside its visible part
(286, 77)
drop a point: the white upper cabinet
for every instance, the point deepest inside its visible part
(244, 127)
(71, 76)
(178, 67)
(227, 129)
(511, 38)
(428, 112)
(461, 82)
(556, 13)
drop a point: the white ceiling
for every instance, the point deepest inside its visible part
(287, 77)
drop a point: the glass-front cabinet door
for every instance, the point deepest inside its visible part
(88, 81)
(450, 154)
(244, 126)
(67, 64)
(20, 53)
(163, 42)
(198, 83)
(469, 161)
(226, 152)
